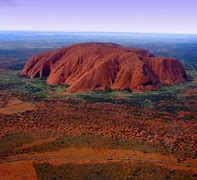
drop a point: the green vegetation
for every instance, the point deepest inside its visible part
(166, 103)
(10, 144)
(13, 141)
(166, 99)
(95, 142)
(31, 89)
(107, 171)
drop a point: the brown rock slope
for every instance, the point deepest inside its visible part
(90, 66)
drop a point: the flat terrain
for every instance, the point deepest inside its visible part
(48, 134)
(55, 134)
(15, 106)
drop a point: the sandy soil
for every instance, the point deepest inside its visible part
(24, 170)
(114, 121)
(17, 171)
(15, 106)
(37, 142)
(104, 155)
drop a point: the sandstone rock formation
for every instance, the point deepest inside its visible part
(101, 66)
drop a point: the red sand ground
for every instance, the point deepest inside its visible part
(24, 169)
(114, 121)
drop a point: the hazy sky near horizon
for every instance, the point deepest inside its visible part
(147, 16)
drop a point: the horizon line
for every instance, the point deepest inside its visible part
(102, 32)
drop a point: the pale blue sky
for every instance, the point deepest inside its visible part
(149, 16)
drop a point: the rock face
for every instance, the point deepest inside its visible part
(100, 66)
